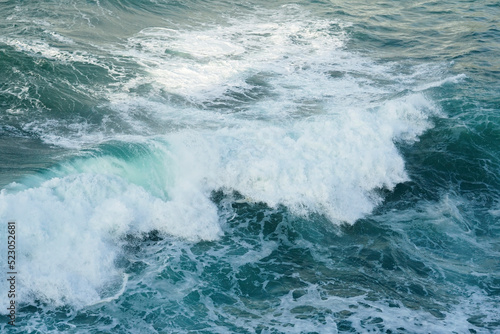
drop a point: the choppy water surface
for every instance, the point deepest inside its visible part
(252, 167)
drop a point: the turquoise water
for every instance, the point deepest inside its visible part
(251, 167)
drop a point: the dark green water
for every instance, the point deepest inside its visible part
(251, 167)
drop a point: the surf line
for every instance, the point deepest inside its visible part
(11, 274)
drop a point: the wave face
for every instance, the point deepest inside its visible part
(276, 168)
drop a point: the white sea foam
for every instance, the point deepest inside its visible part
(72, 229)
(321, 139)
(331, 166)
(59, 38)
(204, 64)
(43, 49)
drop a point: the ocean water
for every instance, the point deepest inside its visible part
(251, 166)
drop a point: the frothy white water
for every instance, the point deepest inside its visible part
(70, 230)
(320, 138)
(330, 166)
(282, 46)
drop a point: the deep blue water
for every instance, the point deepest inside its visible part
(251, 167)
